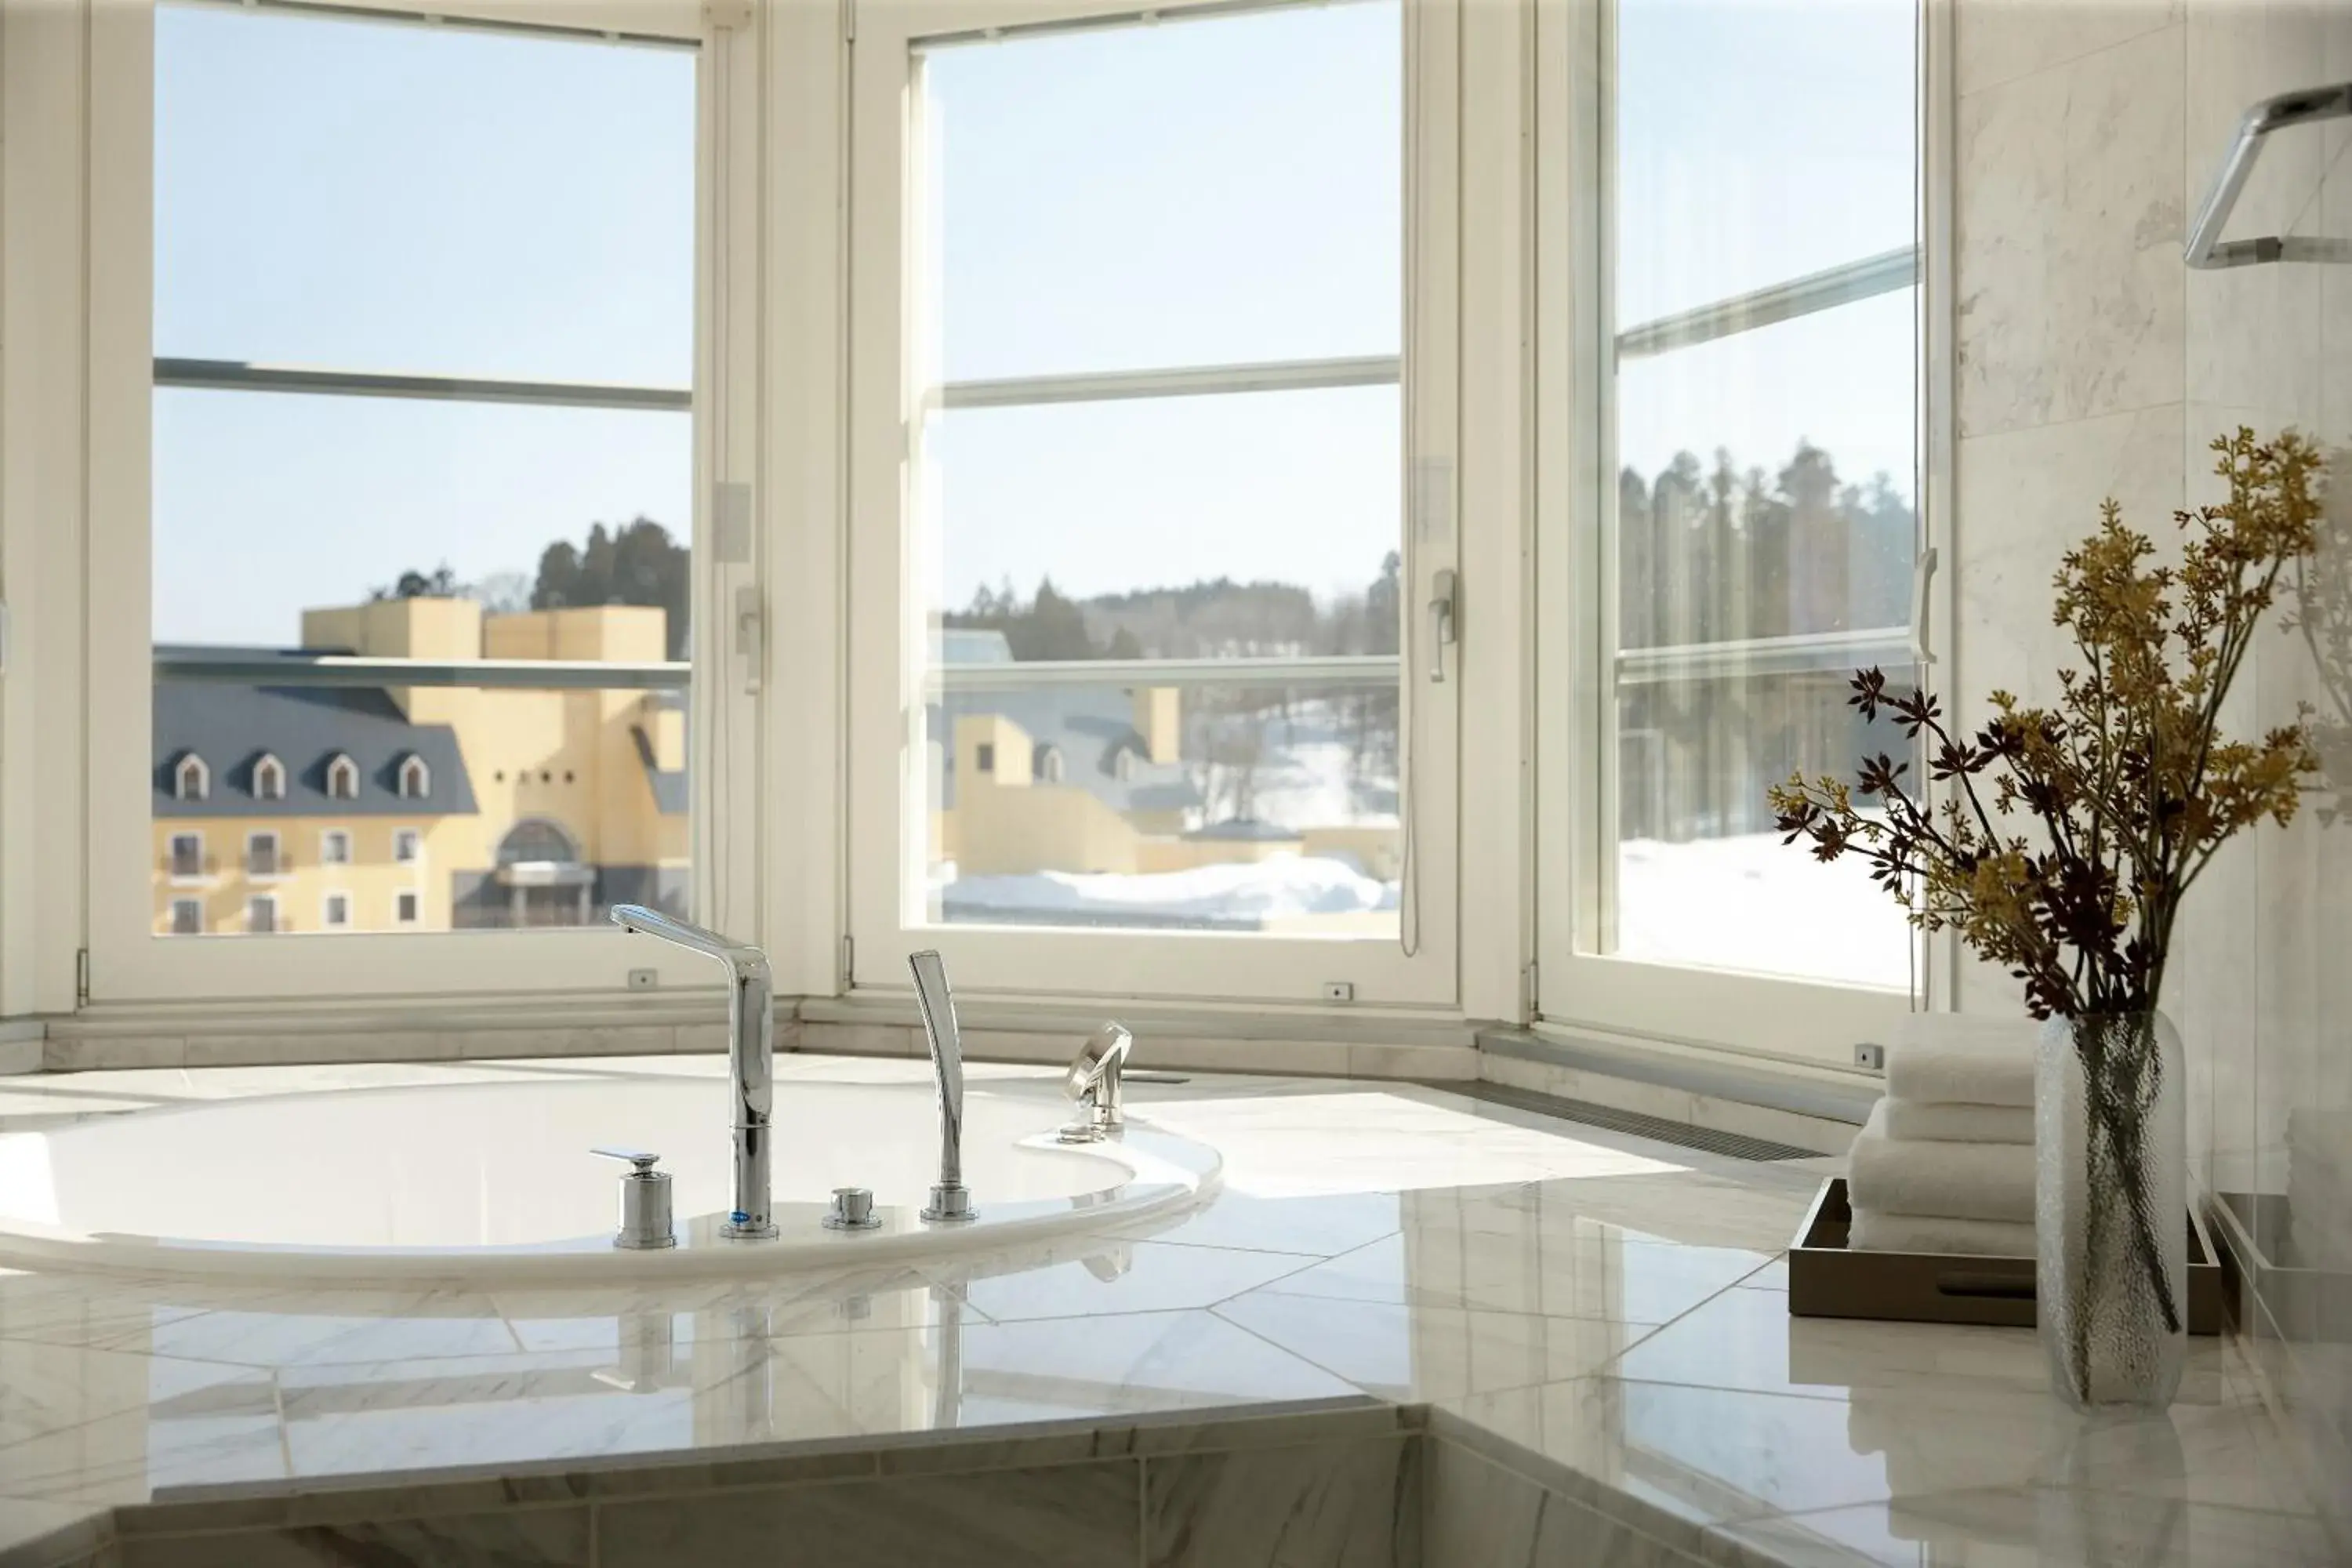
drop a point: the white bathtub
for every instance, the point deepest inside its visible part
(491, 1181)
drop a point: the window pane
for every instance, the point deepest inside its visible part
(1764, 513)
(1757, 141)
(371, 198)
(1199, 192)
(449, 200)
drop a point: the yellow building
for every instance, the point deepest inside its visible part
(425, 808)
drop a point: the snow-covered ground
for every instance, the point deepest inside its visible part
(1750, 902)
(1746, 902)
(1240, 895)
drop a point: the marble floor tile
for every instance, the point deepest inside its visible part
(2045, 1527)
(1111, 1277)
(716, 1311)
(1130, 1365)
(1568, 1273)
(1713, 1455)
(301, 1327)
(1419, 1353)
(89, 1311)
(1331, 1505)
(1071, 1516)
(108, 1427)
(1319, 1225)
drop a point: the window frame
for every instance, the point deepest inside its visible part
(125, 963)
(204, 778)
(327, 902)
(268, 766)
(885, 840)
(258, 903)
(412, 766)
(1579, 991)
(171, 850)
(412, 900)
(340, 837)
(198, 921)
(254, 840)
(412, 839)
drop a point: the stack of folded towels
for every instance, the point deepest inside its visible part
(1945, 1163)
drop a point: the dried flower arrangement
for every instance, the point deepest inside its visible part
(2130, 789)
(2129, 779)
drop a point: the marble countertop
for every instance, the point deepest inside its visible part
(1609, 1313)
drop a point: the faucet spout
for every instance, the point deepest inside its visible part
(949, 1200)
(750, 1059)
(1096, 1078)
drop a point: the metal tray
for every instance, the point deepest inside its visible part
(1829, 1280)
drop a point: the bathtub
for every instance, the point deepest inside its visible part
(494, 1182)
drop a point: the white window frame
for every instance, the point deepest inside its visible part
(327, 901)
(267, 767)
(885, 840)
(343, 772)
(115, 211)
(413, 840)
(259, 902)
(171, 850)
(413, 767)
(203, 777)
(179, 904)
(1579, 991)
(253, 841)
(412, 899)
(334, 847)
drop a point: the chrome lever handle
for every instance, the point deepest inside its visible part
(639, 1158)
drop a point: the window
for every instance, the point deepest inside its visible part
(261, 914)
(261, 855)
(1158, 330)
(187, 856)
(187, 917)
(1757, 522)
(335, 911)
(453, 425)
(194, 780)
(403, 908)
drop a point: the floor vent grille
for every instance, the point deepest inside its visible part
(1682, 1134)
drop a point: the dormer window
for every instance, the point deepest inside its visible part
(342, 778)
(192, 780)
(268, 779)
(1122, 766)
(416, 779)
(1049, 763)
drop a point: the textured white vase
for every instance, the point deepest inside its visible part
(2111, 1205)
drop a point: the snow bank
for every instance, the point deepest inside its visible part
(1238, 894)
(1750, 902)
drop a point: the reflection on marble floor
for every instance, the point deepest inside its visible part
(1609, 1313)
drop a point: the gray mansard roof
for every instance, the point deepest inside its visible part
(233, 726)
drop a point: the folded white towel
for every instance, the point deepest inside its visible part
(1949, 1181)
(1950, 1058)
(1907, 1119)
(1875, 1232)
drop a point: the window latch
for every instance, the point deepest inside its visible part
(1923, 571)
(1443, 630)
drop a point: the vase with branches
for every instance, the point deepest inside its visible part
(2060, 842)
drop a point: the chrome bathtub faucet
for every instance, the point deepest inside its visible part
(950, 1203)
(750, 1057)
(1096, 1080)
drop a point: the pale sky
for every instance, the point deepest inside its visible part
(450, 200)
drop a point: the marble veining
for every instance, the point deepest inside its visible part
(1595, 1327)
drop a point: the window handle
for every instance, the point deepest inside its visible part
(1442, 629)
(1923, 571)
